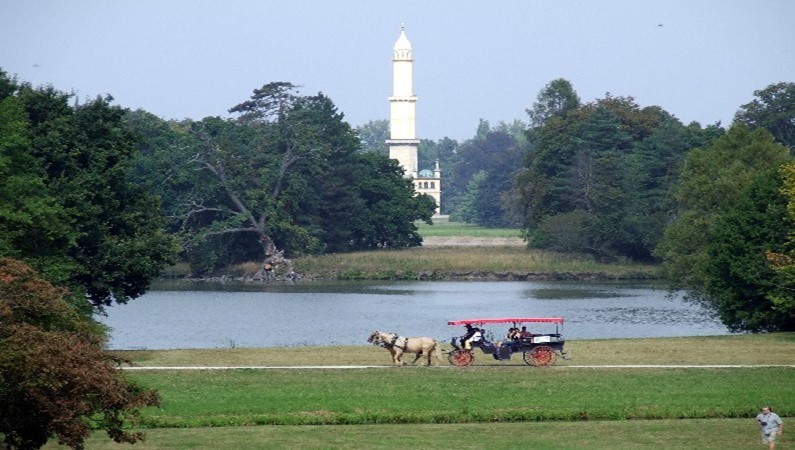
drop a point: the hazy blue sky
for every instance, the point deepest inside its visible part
(698, 59)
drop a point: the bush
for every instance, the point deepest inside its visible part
(55, 379)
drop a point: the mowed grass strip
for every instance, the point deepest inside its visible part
(447, 395)
(725, 434)
(445, 228)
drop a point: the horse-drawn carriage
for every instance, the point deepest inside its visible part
(537, 349)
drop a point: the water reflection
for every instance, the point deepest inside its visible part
(180, 315)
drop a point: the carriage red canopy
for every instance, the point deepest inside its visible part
(557, 320)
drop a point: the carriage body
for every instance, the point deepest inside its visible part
(537, 349)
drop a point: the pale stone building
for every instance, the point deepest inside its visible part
(403, 142)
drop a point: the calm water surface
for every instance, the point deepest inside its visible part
(338, 313)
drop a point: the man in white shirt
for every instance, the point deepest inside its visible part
(770, 425)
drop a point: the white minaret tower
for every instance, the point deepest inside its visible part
(403, 140)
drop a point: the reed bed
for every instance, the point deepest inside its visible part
(460, 262)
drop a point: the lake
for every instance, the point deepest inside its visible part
(185, 315)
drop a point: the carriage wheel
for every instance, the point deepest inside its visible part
(542, 355)
(461, 358)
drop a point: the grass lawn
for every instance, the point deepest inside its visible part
(490, 405)
(725, 434)
(444, 228)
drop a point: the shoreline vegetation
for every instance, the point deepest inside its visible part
(450, 251)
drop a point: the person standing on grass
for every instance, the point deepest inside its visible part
(771, 426)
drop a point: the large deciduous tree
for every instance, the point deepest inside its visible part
(726, 222)
(55, 379)
(740, 283)
(284, 178)
(68, 207)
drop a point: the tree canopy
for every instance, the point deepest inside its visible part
(68, 207)
(774, 110)
(731, 213)
(285, 176)
(597, 177)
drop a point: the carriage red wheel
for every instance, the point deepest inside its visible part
(461, 357)
(542, 355)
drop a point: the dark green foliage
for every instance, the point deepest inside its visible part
(287, 175)
(556, 99)
(373, 208)
(711, 180)
(55, 379)
(731, 213)
(68, 206)
(600, 176)
(481, 177)
(738, 277)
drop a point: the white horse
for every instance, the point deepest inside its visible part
(397, 345)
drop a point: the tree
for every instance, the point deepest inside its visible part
(782, 294)
(375, 207)
(556, 99)
(284, 178)
(724, 226)
(711, 179)
(495, 155)
(76, 216)
(55, 379)
(773, 110)
(739, 282)
(373, 136)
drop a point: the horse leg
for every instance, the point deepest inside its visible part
(394, 356)
(419, 355)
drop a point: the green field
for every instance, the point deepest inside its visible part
(489, 405)
(446, 228)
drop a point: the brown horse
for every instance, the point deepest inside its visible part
(397, 345)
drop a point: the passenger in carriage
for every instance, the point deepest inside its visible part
(525, 335)
(513, 334)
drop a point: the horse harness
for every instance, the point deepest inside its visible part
(395, 338)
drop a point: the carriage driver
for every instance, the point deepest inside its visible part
(473, 335)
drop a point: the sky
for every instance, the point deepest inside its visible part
(700, 60)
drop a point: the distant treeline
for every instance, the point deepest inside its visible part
(102, 197)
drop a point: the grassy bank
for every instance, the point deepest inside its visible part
(465, 261)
